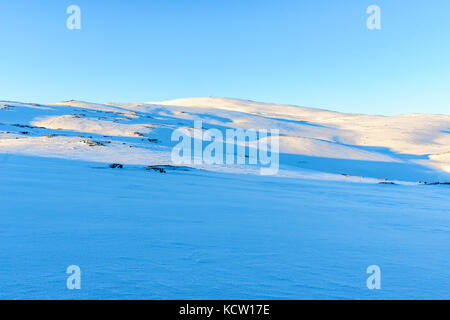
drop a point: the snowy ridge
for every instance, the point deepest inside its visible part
(314, 143)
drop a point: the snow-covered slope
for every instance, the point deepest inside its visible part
(412, 147)
(149, 229)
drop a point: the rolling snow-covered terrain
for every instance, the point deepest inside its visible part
(352, 191)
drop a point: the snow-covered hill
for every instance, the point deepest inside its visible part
(413, 147)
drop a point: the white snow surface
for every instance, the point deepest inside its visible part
(347, 196)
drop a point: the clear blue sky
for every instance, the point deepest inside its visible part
(314, 53)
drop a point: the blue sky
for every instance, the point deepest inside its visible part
(312, 53)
